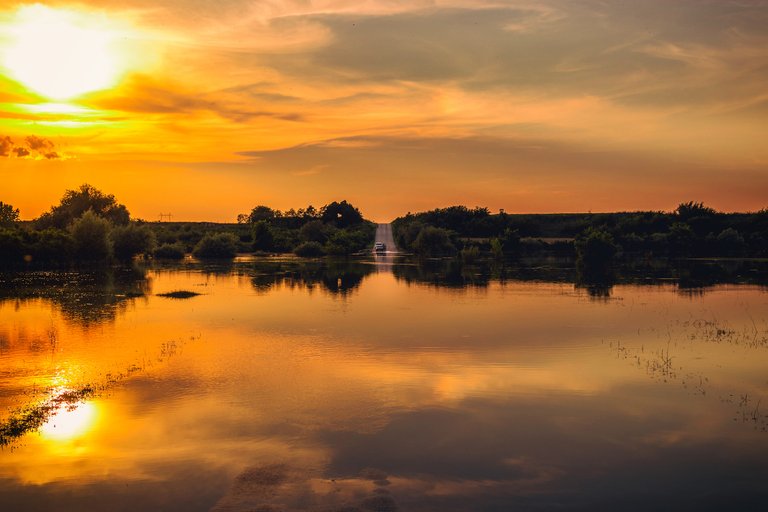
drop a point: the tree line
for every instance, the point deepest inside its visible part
(691, 230)
(90, 226)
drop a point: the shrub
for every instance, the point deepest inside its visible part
(407, 234)
(470, 254)
(75, 203)
(595, 252)
(497, 248)
(11, 246)
(170, 251)
(316, 231)
(263, 239)
(130, 240)
(433, 241)
(51, 246)
(730, 242)
(91, 236)
(9, 215)
(216, 245)
(347, 241)
(309, 250)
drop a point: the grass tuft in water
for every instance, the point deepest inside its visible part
(179, 294)
(33, 417)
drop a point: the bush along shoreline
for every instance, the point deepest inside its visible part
(89, 227)
(692, 230)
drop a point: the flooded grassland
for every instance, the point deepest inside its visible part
(278, 385)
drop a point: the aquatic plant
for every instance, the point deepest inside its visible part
(179, 294)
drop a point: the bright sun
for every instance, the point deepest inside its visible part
(70, 423)
(61, 54)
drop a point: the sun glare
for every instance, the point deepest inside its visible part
(69, 423)
(61, 54)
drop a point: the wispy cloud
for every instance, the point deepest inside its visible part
(148, 96)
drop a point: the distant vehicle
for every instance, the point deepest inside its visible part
(379, 247)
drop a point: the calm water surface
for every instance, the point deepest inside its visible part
(370, 387)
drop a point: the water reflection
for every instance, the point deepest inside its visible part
(70, 422)
(336, 277)
(86, 297)
(429, 388)
(691, 277)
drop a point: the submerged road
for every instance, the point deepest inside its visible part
(384, 235)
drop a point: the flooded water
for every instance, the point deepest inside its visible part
(282, 386)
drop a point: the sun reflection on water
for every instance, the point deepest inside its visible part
(70, 422)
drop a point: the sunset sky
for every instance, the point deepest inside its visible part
(206, 108)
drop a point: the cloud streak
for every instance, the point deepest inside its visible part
(143, 95)
(33, 147)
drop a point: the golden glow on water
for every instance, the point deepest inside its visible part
(61, 54)
(293, 374)
(70, 422)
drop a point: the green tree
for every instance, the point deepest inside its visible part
(470, 254)
(730, 242)
(315, 231)
(511, 240)
(51, 246)
(681, 238)
(91, 235)
(260, 213)
(595, 252)
(133, 239)
(75, 203)
(9, 215)
(497, 248)
(406, 232)
(432, 241)
(216, 245)
(692, 209)
(263, 238)
(341, 243)
(170, 251)
(309, 249)
(11, 247)
(340, 214)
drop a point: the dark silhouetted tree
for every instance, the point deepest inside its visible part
(11, 247)
(681, 238)
(130, 240)
(170, 251)
(691, 209)
(263, 239)
(9, 215)
(76, 202)
(309, 249)
(260, 213)
(216, 245)
(730, 242)
(341, 214)
(91, 235)
(315, 231)
(51, 246)
(432, 241)
(595, 253)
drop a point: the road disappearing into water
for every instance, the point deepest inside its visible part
(384, 235)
